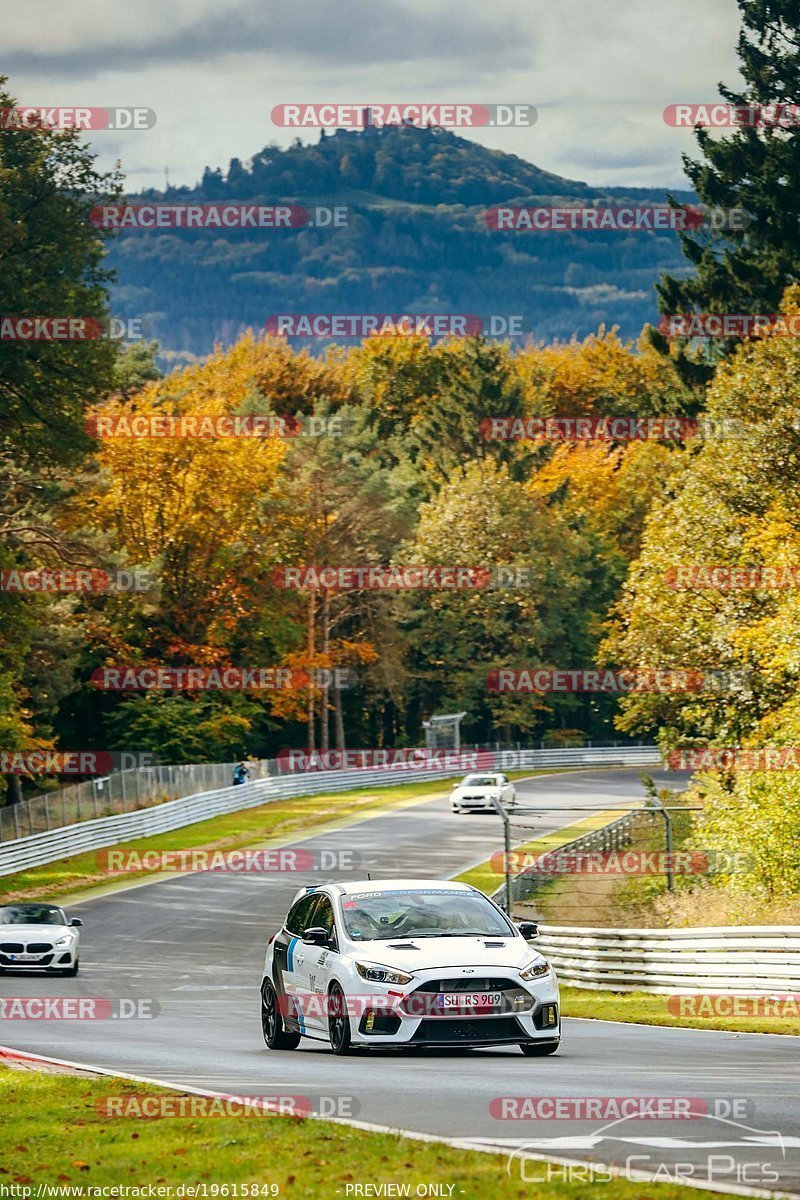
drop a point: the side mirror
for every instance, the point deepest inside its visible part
(316, 936)
(529, 930)
(77, 922)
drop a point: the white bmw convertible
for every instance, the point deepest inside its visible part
(476, 792)
(406, 962)
(38, 936)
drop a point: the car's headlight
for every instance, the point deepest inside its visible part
(535, 970)
(64, 940)
(378, 974)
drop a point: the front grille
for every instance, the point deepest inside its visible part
(39, 947)
(462, 984)
(502, 1029)
(5, 961)
(11, 947)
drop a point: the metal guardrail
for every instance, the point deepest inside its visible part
(98, 833)
(743, 959)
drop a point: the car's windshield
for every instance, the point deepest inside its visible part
(31, 914)
(480, 781)
(430, 912)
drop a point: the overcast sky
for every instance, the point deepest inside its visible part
(600, 74)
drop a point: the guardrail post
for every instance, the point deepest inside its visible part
(501, 812)
(667, 841)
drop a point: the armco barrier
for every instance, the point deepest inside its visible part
(40, 848)
(743, 959)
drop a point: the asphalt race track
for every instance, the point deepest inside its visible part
(195, 944)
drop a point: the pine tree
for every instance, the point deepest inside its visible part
(756, 169)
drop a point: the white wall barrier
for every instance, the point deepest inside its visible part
(742, 959)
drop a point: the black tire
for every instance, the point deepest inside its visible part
(338, 1021)
(538, 1049)
(276, 1036)
(73, 970)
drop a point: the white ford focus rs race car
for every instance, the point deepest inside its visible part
(36, 936)
(406, 962)
(475, 792)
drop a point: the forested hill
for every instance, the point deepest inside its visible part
(416, 241)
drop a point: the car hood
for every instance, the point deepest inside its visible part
(9, 932)
(425, 954)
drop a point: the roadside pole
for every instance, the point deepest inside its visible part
(501, 812)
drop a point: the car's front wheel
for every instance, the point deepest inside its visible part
(538, 1049)
(276, 1036)
(338, 1021)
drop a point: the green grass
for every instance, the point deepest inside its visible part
(54, 1134)
(253, 826)
(649, 1008)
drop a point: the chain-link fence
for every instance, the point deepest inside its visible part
(121, 792)
(618, 834)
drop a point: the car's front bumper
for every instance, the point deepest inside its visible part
(473, 803)
(530, 1013)
(55, 958)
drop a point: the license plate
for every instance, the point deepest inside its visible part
(24, 957)
(469, 999)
